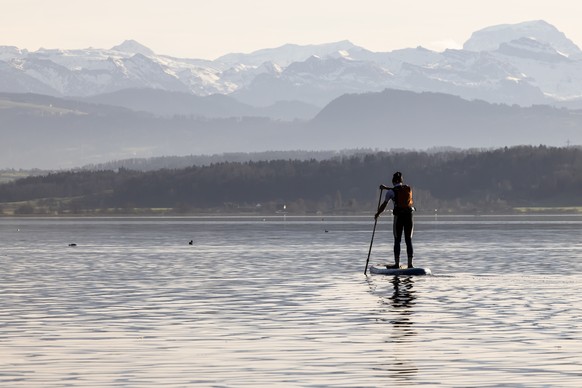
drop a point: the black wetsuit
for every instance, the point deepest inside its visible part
(403, 223)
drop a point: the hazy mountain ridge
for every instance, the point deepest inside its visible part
(168, 104)
(526, 63)
(422, 120)
(48, 132)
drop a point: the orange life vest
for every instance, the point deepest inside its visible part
(402, 197)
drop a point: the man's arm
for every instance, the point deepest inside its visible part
(389, 196)
(381, 209)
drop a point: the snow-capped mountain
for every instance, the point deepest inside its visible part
(133, 47)
(287, 54)
(526, 63)
(490, 38)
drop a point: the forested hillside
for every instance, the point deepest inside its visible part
(175, 162)
(457, 181)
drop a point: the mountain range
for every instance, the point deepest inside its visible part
(509, 85)
(55, 133)
(526, 63)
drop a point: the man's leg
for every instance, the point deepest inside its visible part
(397, 229)
(408, 230)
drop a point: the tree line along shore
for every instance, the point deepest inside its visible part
(505, 180)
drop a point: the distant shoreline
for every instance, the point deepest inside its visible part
(575, 212)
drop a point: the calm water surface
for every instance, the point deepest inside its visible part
(282, 302)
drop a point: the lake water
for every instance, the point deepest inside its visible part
(282, 302)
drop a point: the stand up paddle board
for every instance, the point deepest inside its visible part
(382, 270)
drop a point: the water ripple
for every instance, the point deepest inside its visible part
(286, 304)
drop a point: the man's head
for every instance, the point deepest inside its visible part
(397, 178)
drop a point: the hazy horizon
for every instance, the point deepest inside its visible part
(208, 30)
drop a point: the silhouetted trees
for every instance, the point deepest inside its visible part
(470, 180)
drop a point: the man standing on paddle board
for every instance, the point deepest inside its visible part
(401, 196)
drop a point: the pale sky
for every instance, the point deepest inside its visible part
(207, 29)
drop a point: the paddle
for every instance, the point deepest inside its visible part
(373, 232)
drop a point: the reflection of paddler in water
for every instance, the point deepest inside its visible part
(402, 300)
(402, 368)
(397, 309)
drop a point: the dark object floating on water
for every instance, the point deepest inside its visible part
(191, 242)
(72, 245)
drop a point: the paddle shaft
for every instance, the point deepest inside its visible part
(373, 232)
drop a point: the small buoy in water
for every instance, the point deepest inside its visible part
(72, 245)
(191, 242)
